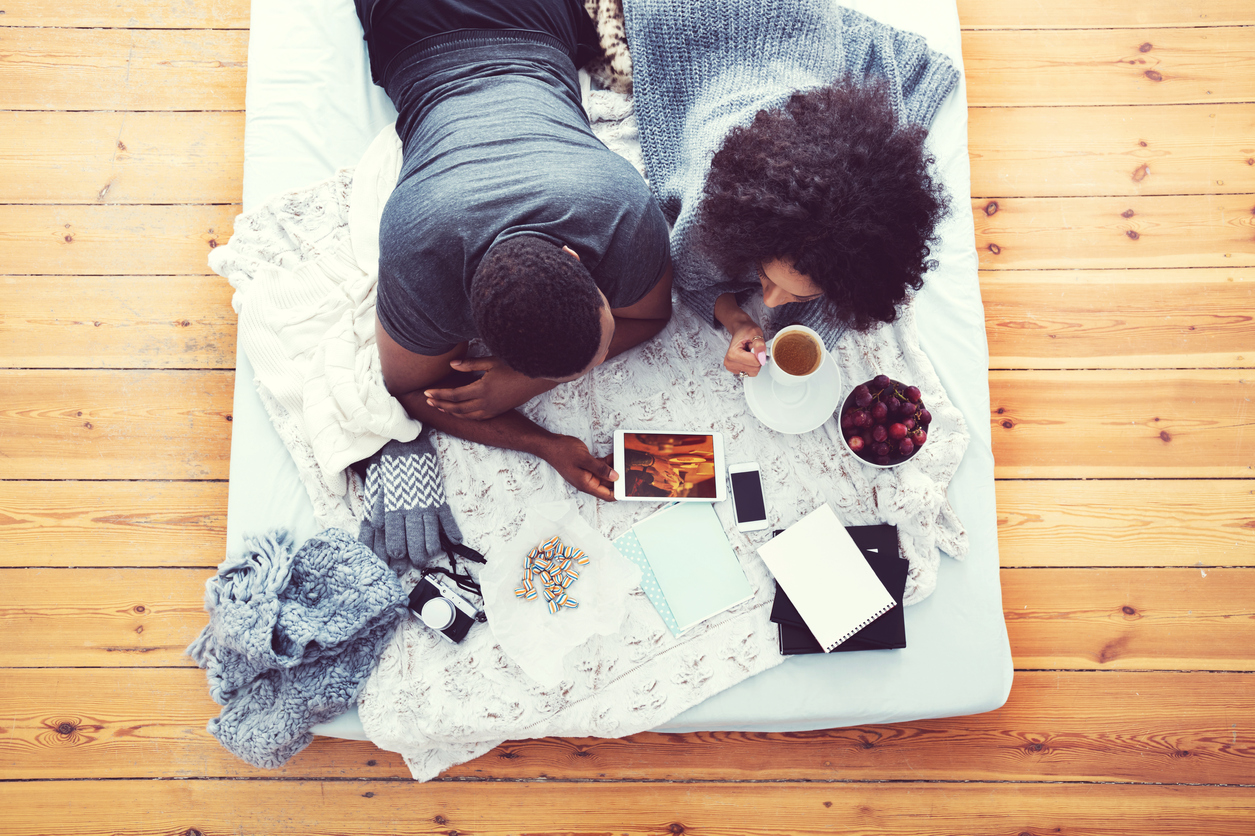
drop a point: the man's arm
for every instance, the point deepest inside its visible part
(501, 388)
(407, 375)
(643, 320)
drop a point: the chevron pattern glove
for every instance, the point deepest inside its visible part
(405, 492)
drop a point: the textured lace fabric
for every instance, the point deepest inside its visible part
(440, 704)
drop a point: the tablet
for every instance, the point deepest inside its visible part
(669, 466)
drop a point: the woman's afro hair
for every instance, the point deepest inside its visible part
(831, 181)
(536, 307)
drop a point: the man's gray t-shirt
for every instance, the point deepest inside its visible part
(496, 145)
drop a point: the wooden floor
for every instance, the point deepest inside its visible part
(1113, 155)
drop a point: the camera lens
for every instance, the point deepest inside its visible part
(437, 613)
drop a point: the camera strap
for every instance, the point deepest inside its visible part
(462, 579)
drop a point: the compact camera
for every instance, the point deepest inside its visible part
(438, 605)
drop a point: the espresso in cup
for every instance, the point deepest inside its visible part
(797, 353)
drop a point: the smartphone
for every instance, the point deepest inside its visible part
(748, 503)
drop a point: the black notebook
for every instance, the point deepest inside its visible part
(879, 545)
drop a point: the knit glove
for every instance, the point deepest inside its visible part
(405, 494)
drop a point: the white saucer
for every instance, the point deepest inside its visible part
(795, 409)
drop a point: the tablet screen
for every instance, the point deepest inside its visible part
(666, 465)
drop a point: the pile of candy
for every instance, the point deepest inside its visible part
(551, 567)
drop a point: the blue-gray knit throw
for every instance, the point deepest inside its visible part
(292, 636)
(700, 69)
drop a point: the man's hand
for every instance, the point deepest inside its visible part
(571, 458)
(499, 390)
(747, 343)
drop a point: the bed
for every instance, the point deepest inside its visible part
(311, 109)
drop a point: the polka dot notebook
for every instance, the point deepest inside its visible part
(630, 547)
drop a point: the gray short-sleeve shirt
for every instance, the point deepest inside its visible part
(496, 145)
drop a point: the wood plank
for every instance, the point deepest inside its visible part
(147, 14)
(1068, 726)
(122, 69)
(1110, 66)
(1182, 619)
(115, 424)
(1079, 14)
(121, 157)
(398, 808)
(1123, 424)
(116, 322)
(1131, 150)
(1131, 619)
(1174, 318)
(113, 523)
(1115, 232)
(1126, 523)
(101, 617)
(112, 240)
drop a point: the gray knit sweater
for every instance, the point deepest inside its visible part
(702, 68)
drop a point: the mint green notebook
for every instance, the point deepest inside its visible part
(693, 562)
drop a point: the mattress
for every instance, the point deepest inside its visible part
(312, 109)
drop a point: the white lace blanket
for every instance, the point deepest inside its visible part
(439, 704)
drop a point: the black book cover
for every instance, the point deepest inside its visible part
(879, 545)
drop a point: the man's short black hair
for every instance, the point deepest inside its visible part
(536, 307)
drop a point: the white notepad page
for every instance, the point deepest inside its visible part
(826, 577)
(693, 561)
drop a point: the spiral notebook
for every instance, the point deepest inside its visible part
(826, 577)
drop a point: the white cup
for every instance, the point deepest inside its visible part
(786, 379)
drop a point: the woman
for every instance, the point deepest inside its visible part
(825, 202)
(821, 198)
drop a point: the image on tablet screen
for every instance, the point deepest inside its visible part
(667, 465)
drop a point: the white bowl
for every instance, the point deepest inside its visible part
(846, 403)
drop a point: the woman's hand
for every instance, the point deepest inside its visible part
(574, 463)
(747, 343)
(499, 390)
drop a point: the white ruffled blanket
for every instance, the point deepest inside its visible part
(303, 266)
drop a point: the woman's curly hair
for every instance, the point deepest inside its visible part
(831, 181)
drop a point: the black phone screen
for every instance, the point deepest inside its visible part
(747, 496)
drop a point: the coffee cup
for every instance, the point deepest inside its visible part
(797, 355)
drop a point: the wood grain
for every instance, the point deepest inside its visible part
(1110, 66)
(147, 14)
(1182, 619)
(1121, 522)
(115, 424)
(1042, 319)
(1068, 726)
(1130, 619)
(1133, 150)
(122, 69)
(112, 240)
(1122, 424)
(1076, 14)
(121, 157)
(112, 523)
(116, 322)
(1115, 232)
(398, 808)
(100, 617)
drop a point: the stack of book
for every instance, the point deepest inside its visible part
(689, 571)
(837, 588)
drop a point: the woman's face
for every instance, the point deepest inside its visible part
(782, 284)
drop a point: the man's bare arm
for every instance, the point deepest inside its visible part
(637, 323)
(407, 375)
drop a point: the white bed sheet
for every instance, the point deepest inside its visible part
(312, 108)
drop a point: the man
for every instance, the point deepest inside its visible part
(510, 222)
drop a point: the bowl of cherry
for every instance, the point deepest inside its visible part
(884, 422)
